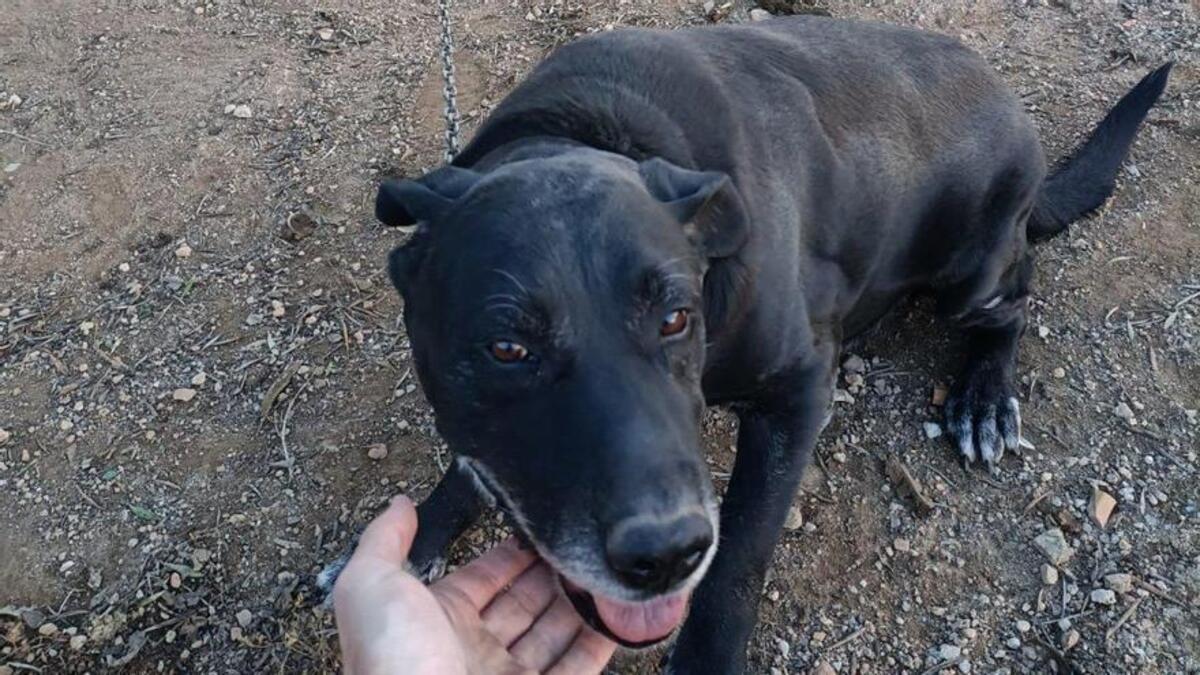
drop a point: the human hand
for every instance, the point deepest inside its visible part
(501, 614)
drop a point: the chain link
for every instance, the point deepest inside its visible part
(449, 86)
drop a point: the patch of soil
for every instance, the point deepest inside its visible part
(151, 159)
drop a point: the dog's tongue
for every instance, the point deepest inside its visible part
(641, 621)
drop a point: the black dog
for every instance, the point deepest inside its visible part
(657, 221)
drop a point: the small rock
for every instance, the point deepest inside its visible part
(1104, 596)
(1059, 373)
(1070, 639)
(199, 379)
(12, 102)
(5, 436)
(277, 309)
(1101, 507)
(77, 642)
(1013, 643)
(1124, 412)
(1053, 544)
(1043, 332)
(824, 668)
(33, 617)
(242, 111)
(244, 617)
(842, 396)
(6, 670)
(325, 34)
(12, 167)
(949, 652)
(759, 14)
(1024, 626)
(902, 545)
(184, 251)
(175, 581)
(932, 430)
(1049, 575)
(795, 519)
(183, 394)
(854, 364)
(48, 629)
(964, 666)
(938, 397)
(785, 648)
(1120, 582)
(377, 451)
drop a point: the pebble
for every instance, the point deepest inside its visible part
(199, 379)
(932, 430)
(244, 617)
(12, 167)
(1124, 412)
(184, 251)
(47, 629)
(785, 647)
(949, 652)
(854, 364)
(175, 581)
(183, 394)
(377, 451)
(1119, 583)
(759, 14)
(795, 518)
(1024, 626)
(1101, 507)
(77, 642)
(1059, 373)
(242, 111)
(902, 545)
(1049, 575)
(4, 436)
(277, 309)
(1104, 596)
(824, 668)
(1070, 639)
(325, 34)
(1053, 544)
(1013, 643)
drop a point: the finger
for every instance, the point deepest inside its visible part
(587, 655)
(549, 637)
(515, 610)
(480, 580)
(390, 535)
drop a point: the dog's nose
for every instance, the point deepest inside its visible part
(656, 555)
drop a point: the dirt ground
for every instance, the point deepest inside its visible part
(198, 345)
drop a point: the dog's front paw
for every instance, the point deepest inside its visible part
(983, 416)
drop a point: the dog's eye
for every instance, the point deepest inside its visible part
(674, 323)
(508, 352)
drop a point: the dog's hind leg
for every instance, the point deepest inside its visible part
(982, 413)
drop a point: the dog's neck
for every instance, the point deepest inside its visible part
(524, 148)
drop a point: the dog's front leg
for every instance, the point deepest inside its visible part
(775, 441)
(452, 507)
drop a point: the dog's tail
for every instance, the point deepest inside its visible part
(1083, 183)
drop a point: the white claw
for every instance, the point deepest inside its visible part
(1026, 444)
(966, 448)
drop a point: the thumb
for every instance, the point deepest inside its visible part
(390, 536)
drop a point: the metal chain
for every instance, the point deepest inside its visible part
(449, 86)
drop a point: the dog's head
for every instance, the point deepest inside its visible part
(554, 307)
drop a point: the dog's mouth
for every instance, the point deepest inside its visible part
(631, 624)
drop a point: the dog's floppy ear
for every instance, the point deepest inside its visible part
(404, 202)
(705, 202)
